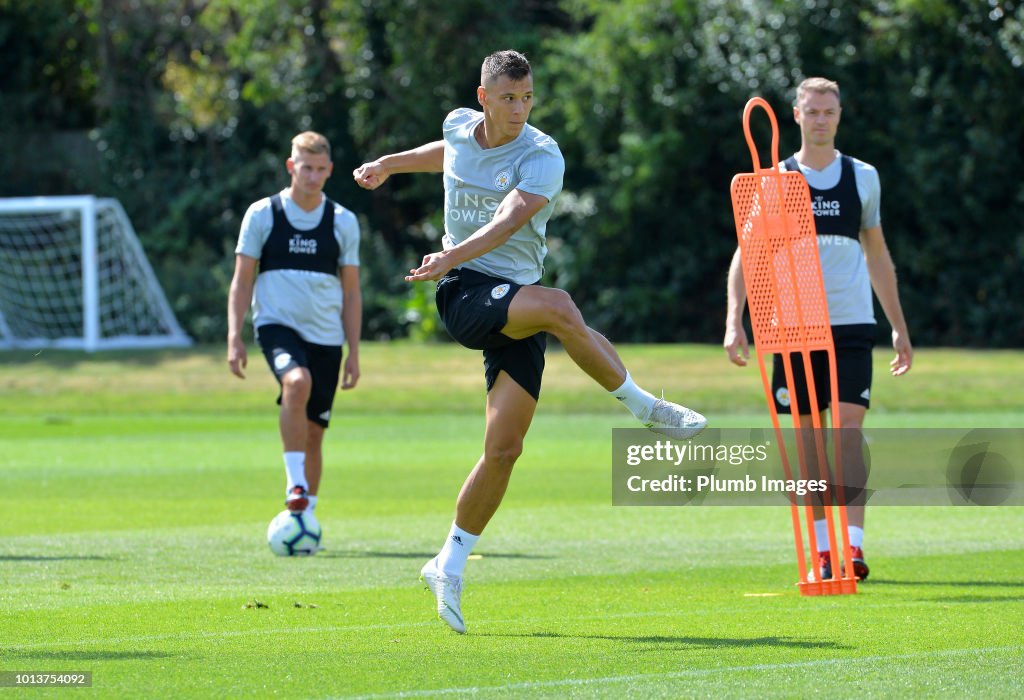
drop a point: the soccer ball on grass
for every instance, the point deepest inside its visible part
(294, 534)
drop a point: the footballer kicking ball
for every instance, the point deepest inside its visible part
(294, 534)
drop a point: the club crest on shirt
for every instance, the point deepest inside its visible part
(499, 291)
(502, 180)
(782, 396)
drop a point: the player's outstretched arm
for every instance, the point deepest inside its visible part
(428, 158)
(515, 210)
(735, 343)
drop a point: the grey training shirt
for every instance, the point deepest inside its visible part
(476, 179)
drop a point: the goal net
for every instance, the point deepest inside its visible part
(73, 275)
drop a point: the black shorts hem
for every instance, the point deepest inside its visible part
(522, 360)
(284, 349)
(853, 355)
(474, 309)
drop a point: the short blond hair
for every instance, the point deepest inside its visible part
(820, 85)
(310, 142)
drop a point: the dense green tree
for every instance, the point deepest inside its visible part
(648, 107)
(183, 111)
(48, 76)
(648, 103)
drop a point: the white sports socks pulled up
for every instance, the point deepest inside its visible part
(856, 536)
(638, 401)
(295, 468)
(821, 534)
(452, 558)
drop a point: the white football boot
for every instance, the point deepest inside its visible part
(448, 591)
(674, 420)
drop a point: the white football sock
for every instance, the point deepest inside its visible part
(295, 467)
(821, 534)
(312, 503)
(856, 535)
(452, 558)
(638, 401)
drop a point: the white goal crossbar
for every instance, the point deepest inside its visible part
(74, 275)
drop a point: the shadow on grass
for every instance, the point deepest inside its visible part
(952, 584)
(690, 642)
(986, 599)
(357, 554)
(99, 655)
(39, 557)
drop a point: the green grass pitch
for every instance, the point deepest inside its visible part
(136, 488)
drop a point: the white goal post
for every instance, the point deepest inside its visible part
(73, 275)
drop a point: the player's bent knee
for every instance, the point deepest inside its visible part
(297, 383)
(503, 456)
(564, 315)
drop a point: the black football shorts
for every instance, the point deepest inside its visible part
(285, 349)
(474, 308)
(853, 345)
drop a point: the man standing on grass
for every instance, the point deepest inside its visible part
(501, 176)
(845, 198)
(297, 261)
